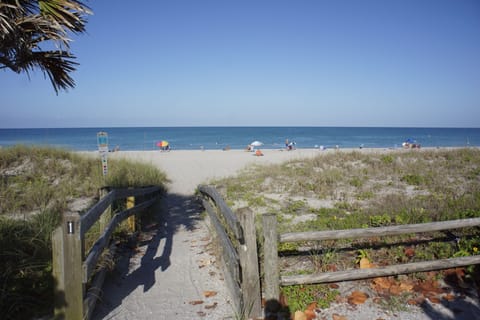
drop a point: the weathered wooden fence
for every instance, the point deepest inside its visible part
(72, 268)
(274, 281)
(237, 242)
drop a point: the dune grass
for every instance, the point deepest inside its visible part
(354, 189)
(37, 184)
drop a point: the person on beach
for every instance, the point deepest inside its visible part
(291, 145)
(258, 153)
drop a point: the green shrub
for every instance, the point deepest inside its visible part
(387, 159)
(300, 296)
(36, 185)
(412, 179)
(380, 221)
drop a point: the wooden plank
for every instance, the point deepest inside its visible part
(131, 220)
(107, 213)
(358, 274)
(92, 258)
(134, 192)
(95, 290)
(74, 287)
(227, 213)
(376, 232)
(229, 254)
(58, 272)
(235, 290)
(138, 208)
(231, 276)
(92, 215)
(270, 254)
(249, 263)
(102, 242)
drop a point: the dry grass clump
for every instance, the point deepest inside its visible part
(360, 189)
(38, 184)
(442, 183)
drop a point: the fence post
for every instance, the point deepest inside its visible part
(131, 219)
(58, 270)
(67, 247)
(249, 263)
(270, 254)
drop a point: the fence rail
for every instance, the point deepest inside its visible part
(238, 246)
(233, 236)
(72, 268)
(271, 260)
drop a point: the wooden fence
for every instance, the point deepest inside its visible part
(274, 281)
(72, 268)
(237, 243)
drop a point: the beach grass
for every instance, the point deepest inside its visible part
(352, 189)
(37, 185)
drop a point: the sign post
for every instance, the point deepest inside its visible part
(102, 141)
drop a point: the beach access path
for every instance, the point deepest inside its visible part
(173, 274)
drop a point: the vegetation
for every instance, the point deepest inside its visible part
(346, 190)
(28, 26)
(36, 186)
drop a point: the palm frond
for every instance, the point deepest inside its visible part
(68, 13)
(26, 24)
(57, 65)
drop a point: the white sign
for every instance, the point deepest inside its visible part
(104, 163)
(102, 141)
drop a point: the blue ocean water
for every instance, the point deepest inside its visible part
(195, 138)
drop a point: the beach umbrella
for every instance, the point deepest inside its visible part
(256, 143)
(162, 144)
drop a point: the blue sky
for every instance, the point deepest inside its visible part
(263, 63)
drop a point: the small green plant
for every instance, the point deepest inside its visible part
(287, 247)
(321, 259)
(395, 303)
(387, 159)
(255, 200)
(412, 179)
(300, 296)
(362, 254)
(365, 195)
(295, 206)
(380, 220)
(356, 182)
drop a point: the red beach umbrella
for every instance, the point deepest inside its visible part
(162, 144)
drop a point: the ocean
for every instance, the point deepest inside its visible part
(196, 138)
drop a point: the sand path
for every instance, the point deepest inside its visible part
(166, 277)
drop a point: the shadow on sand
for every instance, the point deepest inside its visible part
(465, 306)
(176, 212)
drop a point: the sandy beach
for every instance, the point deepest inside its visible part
(188, 168)
(166, 277)
(169, 281)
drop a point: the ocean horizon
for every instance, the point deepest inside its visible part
(219, 137)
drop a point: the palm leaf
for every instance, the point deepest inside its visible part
(57, 65)
(68, 13)
(26, 24)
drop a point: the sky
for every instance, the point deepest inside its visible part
(409, 63)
